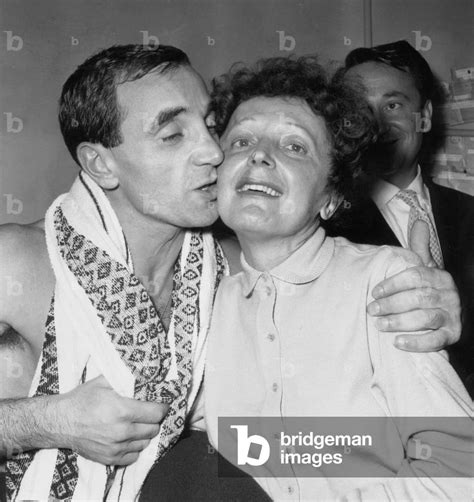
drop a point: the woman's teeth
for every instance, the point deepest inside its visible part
(259, 188)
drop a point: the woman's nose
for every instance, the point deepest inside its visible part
(261, 156)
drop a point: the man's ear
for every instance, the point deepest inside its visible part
(98, 163)
(329, 208)
(426, 115)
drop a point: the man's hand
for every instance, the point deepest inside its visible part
(418, 298)
(105, 427)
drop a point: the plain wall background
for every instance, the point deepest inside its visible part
(58, 35)
(449, 24)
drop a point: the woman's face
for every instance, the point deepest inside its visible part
(273, 181)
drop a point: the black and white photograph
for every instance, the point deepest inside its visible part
(236, 250)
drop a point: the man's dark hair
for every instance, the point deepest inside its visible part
(402, 56)
(348, 119)
(88, 108)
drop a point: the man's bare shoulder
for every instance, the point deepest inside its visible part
(26, 276)
(23, 247)
(26, 287)
(23, 253)
(22, 240)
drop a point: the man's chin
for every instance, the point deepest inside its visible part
(204, 217)
(383, 163)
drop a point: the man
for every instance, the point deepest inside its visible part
(136, 119)
(161, 120)
(400, 89)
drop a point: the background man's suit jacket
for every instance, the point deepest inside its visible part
(453, 212)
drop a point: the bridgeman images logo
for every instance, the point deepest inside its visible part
(339, 447)
(245, 446)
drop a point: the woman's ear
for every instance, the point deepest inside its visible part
(329, 208)
(98, 163)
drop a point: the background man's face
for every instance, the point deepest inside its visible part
(167, 162)
(402, 117)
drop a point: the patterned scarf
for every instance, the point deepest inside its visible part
(160, 364)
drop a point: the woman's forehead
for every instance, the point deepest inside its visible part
(275, 111)
(282, 107)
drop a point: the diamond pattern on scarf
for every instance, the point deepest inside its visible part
(185, 309)
(64, 479)
(65, 475)
(116, 295)
(410, 198)
(124, 311)
(98, 277)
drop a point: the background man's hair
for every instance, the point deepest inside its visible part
(88, 107)
(347, 117)
(402, 56)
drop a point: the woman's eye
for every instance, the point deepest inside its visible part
(296, 148)
(241, 143)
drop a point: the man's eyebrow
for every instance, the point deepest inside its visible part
(396, 94)
(164, 117)
(168, 114)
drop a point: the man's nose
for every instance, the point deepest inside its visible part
(380, 121)
(209, 152)
(261, 156)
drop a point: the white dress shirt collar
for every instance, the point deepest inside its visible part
(395, 212)
(384, 191)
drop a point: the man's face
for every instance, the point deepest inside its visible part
(167, 162)
(274, 177)
(401, 116)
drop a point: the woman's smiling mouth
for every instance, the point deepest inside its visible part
(256, 189)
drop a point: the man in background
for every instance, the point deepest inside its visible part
(400, 89)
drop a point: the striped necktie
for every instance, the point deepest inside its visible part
(418, 213)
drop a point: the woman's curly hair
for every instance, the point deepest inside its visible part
(347, 116)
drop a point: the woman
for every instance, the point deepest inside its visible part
(290, 335)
